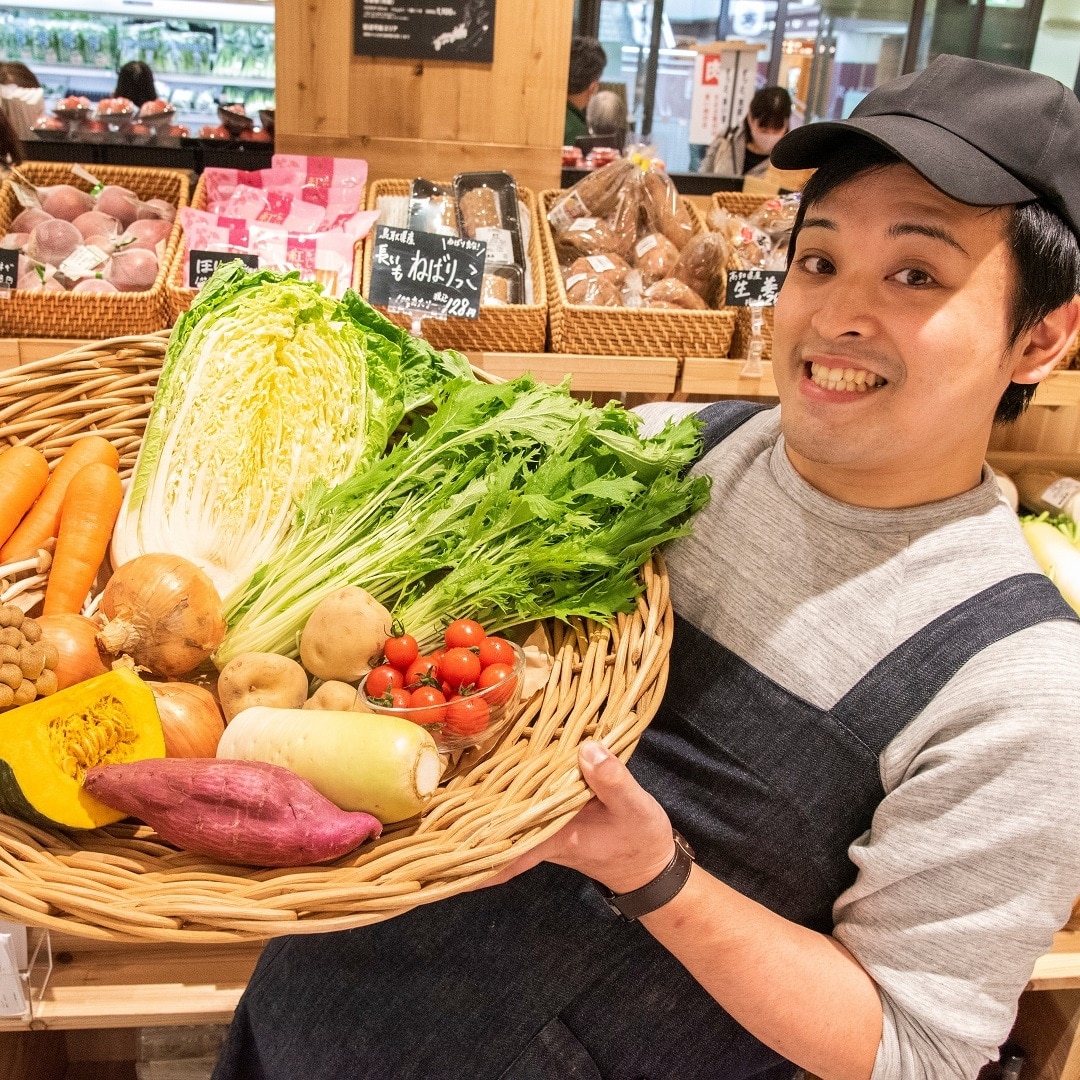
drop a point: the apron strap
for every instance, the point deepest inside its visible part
(721, 418)
(894, 692)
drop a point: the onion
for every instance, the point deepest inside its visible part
(190, 719)
(163, 612)
(74, 638)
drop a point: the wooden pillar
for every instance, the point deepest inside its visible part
(426, 118)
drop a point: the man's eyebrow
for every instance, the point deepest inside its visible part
(933, 232)
(819, 223)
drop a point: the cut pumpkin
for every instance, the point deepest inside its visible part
(47, 746)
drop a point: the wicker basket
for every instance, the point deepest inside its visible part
(93, 315)
(122, 883)
(604, 331)
(511, 328)
(744, 204)
(179, 296)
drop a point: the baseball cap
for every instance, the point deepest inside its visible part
(982, 133)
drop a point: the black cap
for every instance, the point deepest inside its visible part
(982, 133)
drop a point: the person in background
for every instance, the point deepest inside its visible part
(21, 99)
(606, 115)
(745, 151)
(136, 83)
(11, 151)
(587, 63)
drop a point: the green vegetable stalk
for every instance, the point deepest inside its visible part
(508, 503)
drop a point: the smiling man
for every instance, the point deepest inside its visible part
(871, 733)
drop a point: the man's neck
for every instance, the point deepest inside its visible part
(579, 101)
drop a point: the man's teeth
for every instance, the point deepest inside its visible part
(852, 379)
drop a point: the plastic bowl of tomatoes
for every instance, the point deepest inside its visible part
(465, 693)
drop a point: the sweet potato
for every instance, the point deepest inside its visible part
(246, 812)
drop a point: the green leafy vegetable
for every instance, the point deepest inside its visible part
(267, 387)
(508, 503)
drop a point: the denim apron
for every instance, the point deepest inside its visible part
(536, 979)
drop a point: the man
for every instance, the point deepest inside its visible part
(870, 731)
(587, 63)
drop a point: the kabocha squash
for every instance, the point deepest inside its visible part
(47, 746)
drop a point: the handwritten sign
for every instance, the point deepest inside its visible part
(9, 268)
(425, 272)
(202, 264)
(745, 287)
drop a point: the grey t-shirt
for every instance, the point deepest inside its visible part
(972, 861)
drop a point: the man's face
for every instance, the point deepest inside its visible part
(890, 349)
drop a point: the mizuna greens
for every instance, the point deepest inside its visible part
(508, 503)
(267, 386)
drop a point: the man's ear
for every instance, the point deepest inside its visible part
(1047, 343)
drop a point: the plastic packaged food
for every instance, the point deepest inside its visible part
(487, 209)
(749, 244)
(592, 290)
(586, 236)
(655, 256)
(432, 208)
(664, 210)
(703, 266)
(319, 175)
(502, 285)
(611, 266)
(279, 206)
(776, 216)
(671, 291)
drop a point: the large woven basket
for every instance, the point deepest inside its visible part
(604, 331)
(122, 883)
(179, 296)
(499, 328)
(93, 315)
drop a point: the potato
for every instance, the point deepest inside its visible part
(344, 636)
(336, 696)
(261, 679)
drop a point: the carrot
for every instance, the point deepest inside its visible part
(23, 473)
(43, 520)
(91, 505)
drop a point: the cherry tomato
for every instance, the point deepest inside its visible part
(401, 651)
(381, 679)
(428, 705)
(460, 667)
(499, 680)
(466, 716)
(496, 650)
(438, 654)
(464, 634)
(398, 699)
(423, 667)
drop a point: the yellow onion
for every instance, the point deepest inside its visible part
(74, 637)
(190, 719)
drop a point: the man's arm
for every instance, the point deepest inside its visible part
(798, 991)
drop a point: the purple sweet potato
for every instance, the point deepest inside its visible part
(247, 812)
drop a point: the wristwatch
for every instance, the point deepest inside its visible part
(656, 893)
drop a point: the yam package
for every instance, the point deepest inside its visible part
(759, 241)
(629, 213)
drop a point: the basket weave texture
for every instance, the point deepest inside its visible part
(123, 883)
(499, 328)
(604, 331)
(93, 315)
(179, 297)
(744, 204)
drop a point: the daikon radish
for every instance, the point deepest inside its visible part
(1057, 556)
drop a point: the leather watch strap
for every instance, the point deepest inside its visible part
(656, 893)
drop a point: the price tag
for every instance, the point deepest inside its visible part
(745, 287)
(202, 264)
(9, 268)
(427, 273)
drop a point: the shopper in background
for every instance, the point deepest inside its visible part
(745, 151)
(21, 97)
(606, 115)
(136, 83)
(11, 151)
(587, 63)
(870, 734)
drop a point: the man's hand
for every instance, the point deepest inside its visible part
(621, 837)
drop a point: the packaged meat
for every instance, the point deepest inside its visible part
(672, 291)
(432, 208)
(655, 256)
(703, 266)
(592, 290)
(611, 266)
(487, 209)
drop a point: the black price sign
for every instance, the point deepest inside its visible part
(745, 287)
(463, 30)
(201, 264)
(9, 268)
(422, 272)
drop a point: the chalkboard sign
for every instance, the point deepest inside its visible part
(745, 287)
(201, 264)
(9, 268)
(462, 30)
(426, 272)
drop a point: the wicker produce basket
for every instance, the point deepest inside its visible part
(510, 328)
(122, 883)
(744, 204)
(93, 315)
(179, 297)
(603, 331)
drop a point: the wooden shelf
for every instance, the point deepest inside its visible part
(610, 374)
